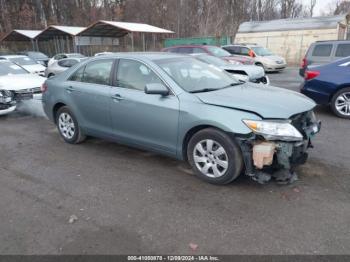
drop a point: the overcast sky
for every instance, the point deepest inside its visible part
(321, 4)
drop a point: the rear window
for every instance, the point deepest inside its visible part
(343, 50)
(322, 50)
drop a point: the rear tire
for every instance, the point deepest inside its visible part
(340, 103)
(214, 156)
(68, 126)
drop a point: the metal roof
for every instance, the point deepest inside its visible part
(322, 22)
(104, 28)
(56, 30)
(21, 35)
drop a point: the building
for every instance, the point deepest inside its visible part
(291, 38)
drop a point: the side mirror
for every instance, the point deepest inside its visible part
(156, 89)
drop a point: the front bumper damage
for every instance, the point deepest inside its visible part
(265, 160)
(7, 102)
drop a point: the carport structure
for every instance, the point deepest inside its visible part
(115, 29)
(22, 36)
(56, 39)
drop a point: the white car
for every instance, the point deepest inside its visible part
(16, 85)
(262, 56)
(27, 63)
(104, 53)
(62, 56)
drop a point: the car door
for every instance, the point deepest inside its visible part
(89, 92)
(142, 119)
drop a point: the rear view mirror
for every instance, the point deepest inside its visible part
(156, 89)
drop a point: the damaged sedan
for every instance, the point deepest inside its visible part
(184, 108)
(16, 85)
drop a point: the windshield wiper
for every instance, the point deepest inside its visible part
(214, 89)
(204, 90)
(233, 84)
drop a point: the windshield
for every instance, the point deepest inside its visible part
(8, 68)
(22, 60)
(217, 51)
(212, 60)
(261, 51)
(37, 55)
(193, 75)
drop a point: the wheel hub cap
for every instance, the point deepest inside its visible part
(342, 104)
(66, 125)
(210, 158)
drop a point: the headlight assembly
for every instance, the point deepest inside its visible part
(274, 130)
(5, 96)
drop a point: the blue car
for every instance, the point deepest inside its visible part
(330, 85)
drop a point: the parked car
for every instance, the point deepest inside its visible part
(210, 50)
(181, 107)
(17, 84)
(39, 57)
(62, 65)
(261, 55)
(324, 52)
(330, 85)
(64, 55)
(26, 62)
(251, 73)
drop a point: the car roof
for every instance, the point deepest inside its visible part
(13, 56)
(194, 45)
(143, 55)
(332, 41)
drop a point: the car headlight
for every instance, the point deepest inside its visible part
(5, 96)
(274, 130)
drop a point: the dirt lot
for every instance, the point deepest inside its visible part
(127, 201)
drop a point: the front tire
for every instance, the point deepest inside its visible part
(68, 126)
(340, 103)
(214, 156)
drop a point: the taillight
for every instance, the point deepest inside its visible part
(303, 63)
(311, 74)
(43, 88)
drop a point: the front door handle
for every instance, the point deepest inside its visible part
(117, 97)
(69, 89)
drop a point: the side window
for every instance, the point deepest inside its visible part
(232, 49)
(197, 50)
(343, 50)
(98, 72)
(185, 50)
(78, 75)
(135, 75)
(322, 50)
(67, 63)
(173, 50)
(244, 51)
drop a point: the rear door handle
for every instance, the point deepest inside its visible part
(117, 97)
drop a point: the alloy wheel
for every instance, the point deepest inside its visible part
(66, 125)
(342, 104)
(210, 158)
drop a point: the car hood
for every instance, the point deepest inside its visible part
(20, 82)
(274, 58)
(254, 72)
(34, 68)
(266, 101)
